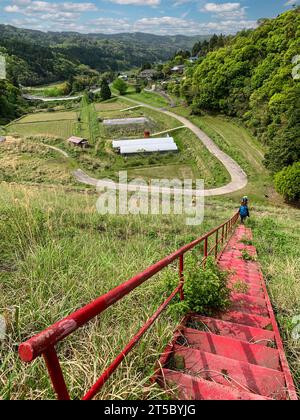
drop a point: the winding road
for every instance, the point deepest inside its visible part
(239, 178)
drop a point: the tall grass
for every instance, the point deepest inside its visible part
(277, 237)
(56, 255)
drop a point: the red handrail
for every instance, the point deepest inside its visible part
(44, 342)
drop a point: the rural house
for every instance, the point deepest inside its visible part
(78, 141)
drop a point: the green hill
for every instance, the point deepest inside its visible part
(37, 57)
(252, 78)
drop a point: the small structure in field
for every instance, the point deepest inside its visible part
(2, 139)
(78, 141)
(178, 69)
(145, 145)
(125, 121)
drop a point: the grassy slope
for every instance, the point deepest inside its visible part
(59, 254)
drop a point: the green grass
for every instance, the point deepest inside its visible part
(58, 255)
(26, 161)
(237, 142)
(62, 129)
(48, 116)
(277, 238)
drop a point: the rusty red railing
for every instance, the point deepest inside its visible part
(44, 342)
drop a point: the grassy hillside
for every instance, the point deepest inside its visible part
(253, 78)
(36, 57)
(58, 254)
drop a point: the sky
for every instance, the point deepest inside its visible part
(161, 17)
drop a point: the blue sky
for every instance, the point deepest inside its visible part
(188, 17)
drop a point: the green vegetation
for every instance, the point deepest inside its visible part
(205, 289)
(36, 58)
(192, 162)
(58, 254)
(120, 86)
(11, 103)
(251, 78)
(287, 182)
(61, 128)
(88, 124)
(105, 92)
(27, 161)
(277, 238)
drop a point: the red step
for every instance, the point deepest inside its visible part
(241, 332)
(232, 348)
(246, 319)
(240, 375)
(188, 387)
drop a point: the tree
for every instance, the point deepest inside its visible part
(287, 182)
(105, 92)
(121, 86)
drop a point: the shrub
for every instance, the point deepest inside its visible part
(205, 289)
(121, 86)
(287, 182)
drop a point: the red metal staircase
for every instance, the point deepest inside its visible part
(237, 354)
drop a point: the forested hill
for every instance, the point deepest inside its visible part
(253, 78)
(37, 57)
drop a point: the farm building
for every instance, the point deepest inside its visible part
(178, 69)
(128, 147)
(78, 141)
(2, 139)
(125, 121)
(148, 74)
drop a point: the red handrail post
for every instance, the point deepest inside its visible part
(56, 375)
(205, 251)
(181, 276)
(217, 244)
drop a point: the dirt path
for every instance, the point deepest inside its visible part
(239, 179)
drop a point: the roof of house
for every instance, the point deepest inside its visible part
(140, 142)
(148, 73)
(161, 144)
(179, 67)
(77, 140)
(126, 121)
(2, 139)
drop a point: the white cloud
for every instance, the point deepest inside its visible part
(169, 25)
(220, 8)
(137, 2)
(291, 2)
(225, 10)
(31, 7)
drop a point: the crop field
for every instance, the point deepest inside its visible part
(62, 129)
(111, 105)
(48, 116)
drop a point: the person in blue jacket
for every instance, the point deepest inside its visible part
(244, 210)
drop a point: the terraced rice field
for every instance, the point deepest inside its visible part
(61, 128)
